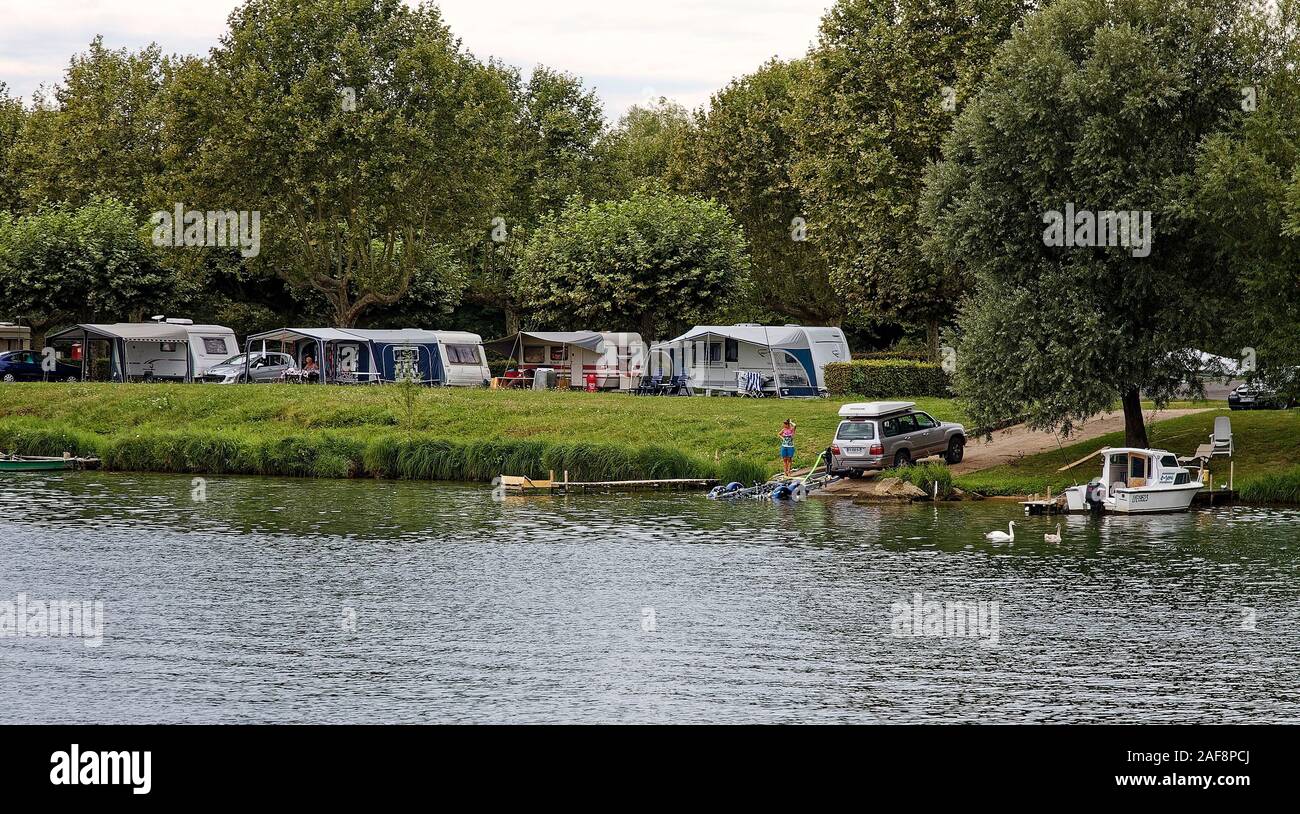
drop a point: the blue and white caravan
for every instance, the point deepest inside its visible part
(787, 361)
(358, 356)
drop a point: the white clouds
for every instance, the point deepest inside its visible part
(684, 49)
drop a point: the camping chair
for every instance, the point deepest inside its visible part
(678, 386)
(648, 386)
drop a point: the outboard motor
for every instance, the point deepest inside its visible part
(1095, 495)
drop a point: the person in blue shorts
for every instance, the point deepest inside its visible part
(787, 446)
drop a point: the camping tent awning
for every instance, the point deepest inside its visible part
(772, 336)
(583, 339)
(295, 334)
(130, 331)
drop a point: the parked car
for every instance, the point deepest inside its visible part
(1257, 396)
(25, 365)
(881, 434)
(264, 367)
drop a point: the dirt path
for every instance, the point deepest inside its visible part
(1016, 442)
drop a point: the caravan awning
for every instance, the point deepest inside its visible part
(772, 336)
(318, 334)
(583, 339)
(131, 331)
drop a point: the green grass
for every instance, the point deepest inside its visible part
(1267, 451)
(924, 475)
(446, 434)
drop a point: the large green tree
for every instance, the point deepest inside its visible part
(640, 149)
(646, 263)
(96, 134)
(66, 264)
(740, 152)
(885, 80)
(1246, 196)
(363, 133)
(12, 118)
(1097, 106)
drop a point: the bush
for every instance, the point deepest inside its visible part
(1283, 487)
(882, 378)
(924, 476)
(896, 355)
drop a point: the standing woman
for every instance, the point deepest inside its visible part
(787, 446)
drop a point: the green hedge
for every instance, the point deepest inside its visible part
(884, 378)
(893, 355)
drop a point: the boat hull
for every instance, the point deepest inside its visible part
(1153, 501)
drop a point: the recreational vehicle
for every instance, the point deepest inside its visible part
(614, 359)
(357, 355)
(162, 350)
(787, 361)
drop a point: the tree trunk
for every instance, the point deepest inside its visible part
(932, 338)
(1135, 427)
(512, 320)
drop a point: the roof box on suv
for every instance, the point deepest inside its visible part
(874, 409)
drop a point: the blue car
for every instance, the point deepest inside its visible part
(25, 366)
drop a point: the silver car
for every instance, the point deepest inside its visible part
(263, 367)
(878, 435)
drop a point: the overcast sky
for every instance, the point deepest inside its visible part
(628, 50)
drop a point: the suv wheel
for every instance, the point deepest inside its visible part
(902, 458)
(956, 451)
(71, 380)
(9, 377)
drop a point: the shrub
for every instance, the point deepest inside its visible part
(887, 379)
(924, 476)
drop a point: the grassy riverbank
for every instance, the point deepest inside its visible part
(1266, 459)
(438, 434)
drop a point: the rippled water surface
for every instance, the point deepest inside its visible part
(241, 608)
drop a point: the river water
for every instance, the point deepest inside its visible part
(277, 600)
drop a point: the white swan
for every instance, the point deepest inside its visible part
(1000, 537)
(1053, 538)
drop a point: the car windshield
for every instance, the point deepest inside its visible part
(234, 360)
(856, 431)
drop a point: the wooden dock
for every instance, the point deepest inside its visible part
(525, 485)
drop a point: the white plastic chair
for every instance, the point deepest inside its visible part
(1221, 438)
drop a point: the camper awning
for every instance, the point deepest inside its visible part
(318, 334)
(583, 339)
(130, 331)
(772, 336)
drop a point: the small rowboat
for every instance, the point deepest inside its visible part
(26, 463)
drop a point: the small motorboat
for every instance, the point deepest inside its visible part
(1137, 481)
(29, 463)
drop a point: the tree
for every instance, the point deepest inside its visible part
(98, 134)
(740, 152)
(1246, 196)
(1091, 107)
(640, 149)
(649, 262)
(65, 264)
(361, 131)
(12, 118)
(552, 158)
(884, 80)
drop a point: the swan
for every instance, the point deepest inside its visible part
(1053, 538)
(999, 537)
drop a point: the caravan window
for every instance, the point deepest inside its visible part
(733, 350)
(534, 355)
(462, 354)
(214, 345)
(557, 353)
(715, 353)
